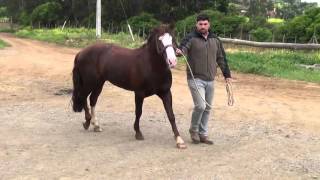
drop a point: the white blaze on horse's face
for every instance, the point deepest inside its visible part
(166, 40)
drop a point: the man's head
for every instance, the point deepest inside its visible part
(203, 23)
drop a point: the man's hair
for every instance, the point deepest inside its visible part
(203, 17)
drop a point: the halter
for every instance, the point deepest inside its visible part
(165, 47)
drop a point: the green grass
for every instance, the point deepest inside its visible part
(77, 37)
(276, 63)
(282, 64)
(275, 20)
(7, 30)
(3, 44)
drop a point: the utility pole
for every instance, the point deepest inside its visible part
(98, 19)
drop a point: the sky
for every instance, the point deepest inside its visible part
(317, 1)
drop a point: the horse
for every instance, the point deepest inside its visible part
(145, 70)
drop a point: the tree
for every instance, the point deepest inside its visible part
(3, 12)
(257, 8)
(47, 13)
(144, 21)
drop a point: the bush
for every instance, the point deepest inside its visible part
(24, 18)
(255, 22)
(297, 28)
(300, 28)
(3, 12)
(231, 25)
(189, 22)
(279, 30)
(261, 34)
(144, 21)
(47, 13)
(186, 25)
(220, 23)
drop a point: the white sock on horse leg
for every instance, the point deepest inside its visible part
(93, 116)
(179, 140)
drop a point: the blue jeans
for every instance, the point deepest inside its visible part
(201, 112)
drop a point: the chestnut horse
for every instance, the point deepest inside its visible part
(145, 70)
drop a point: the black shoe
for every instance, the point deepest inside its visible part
(205, 140)
(194, 137)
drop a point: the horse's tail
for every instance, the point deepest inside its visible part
(77, 98)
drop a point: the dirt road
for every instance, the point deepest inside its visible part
(272, 132)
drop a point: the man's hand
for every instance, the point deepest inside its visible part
(179, 52)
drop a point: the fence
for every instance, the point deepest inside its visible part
(294, 46)
(142, 32)
(5, 23)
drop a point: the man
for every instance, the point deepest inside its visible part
(204, 51)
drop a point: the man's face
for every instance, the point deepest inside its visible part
(203, 26)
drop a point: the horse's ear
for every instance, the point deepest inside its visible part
(151, 33)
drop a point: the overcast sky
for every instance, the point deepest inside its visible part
(317, 1)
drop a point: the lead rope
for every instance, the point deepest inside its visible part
(228, 87)
(230, 94)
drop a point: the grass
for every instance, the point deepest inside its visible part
(77, 37)
(281, 63)
(275, 20)
(3, 44)
(6, 30)
(274, 63)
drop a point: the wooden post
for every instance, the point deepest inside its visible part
(143, 35)
(11, 23)
(98, 19)
(241, 31)
(272, 37)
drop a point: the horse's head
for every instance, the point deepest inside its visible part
(165, 43)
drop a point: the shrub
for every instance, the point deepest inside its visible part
(297, 28)
(144, 21)
(24, 18)
(220, 23)
(261, 34)
(47, 13)
(3, 12)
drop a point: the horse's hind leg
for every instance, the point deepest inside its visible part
(93, 101)
(87, 116)
(85, 93)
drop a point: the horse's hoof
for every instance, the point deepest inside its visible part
(181, 146)
(86, 125)
(139, 136)
(97, 129)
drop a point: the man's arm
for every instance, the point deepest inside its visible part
(185, 44)
(222, 61)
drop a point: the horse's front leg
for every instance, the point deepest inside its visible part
(167, 102)
(139, 103)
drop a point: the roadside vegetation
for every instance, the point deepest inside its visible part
(3, 44)
(77, 37)
(273, 63)
(277, 63)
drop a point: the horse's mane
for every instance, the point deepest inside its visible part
(154, 32)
